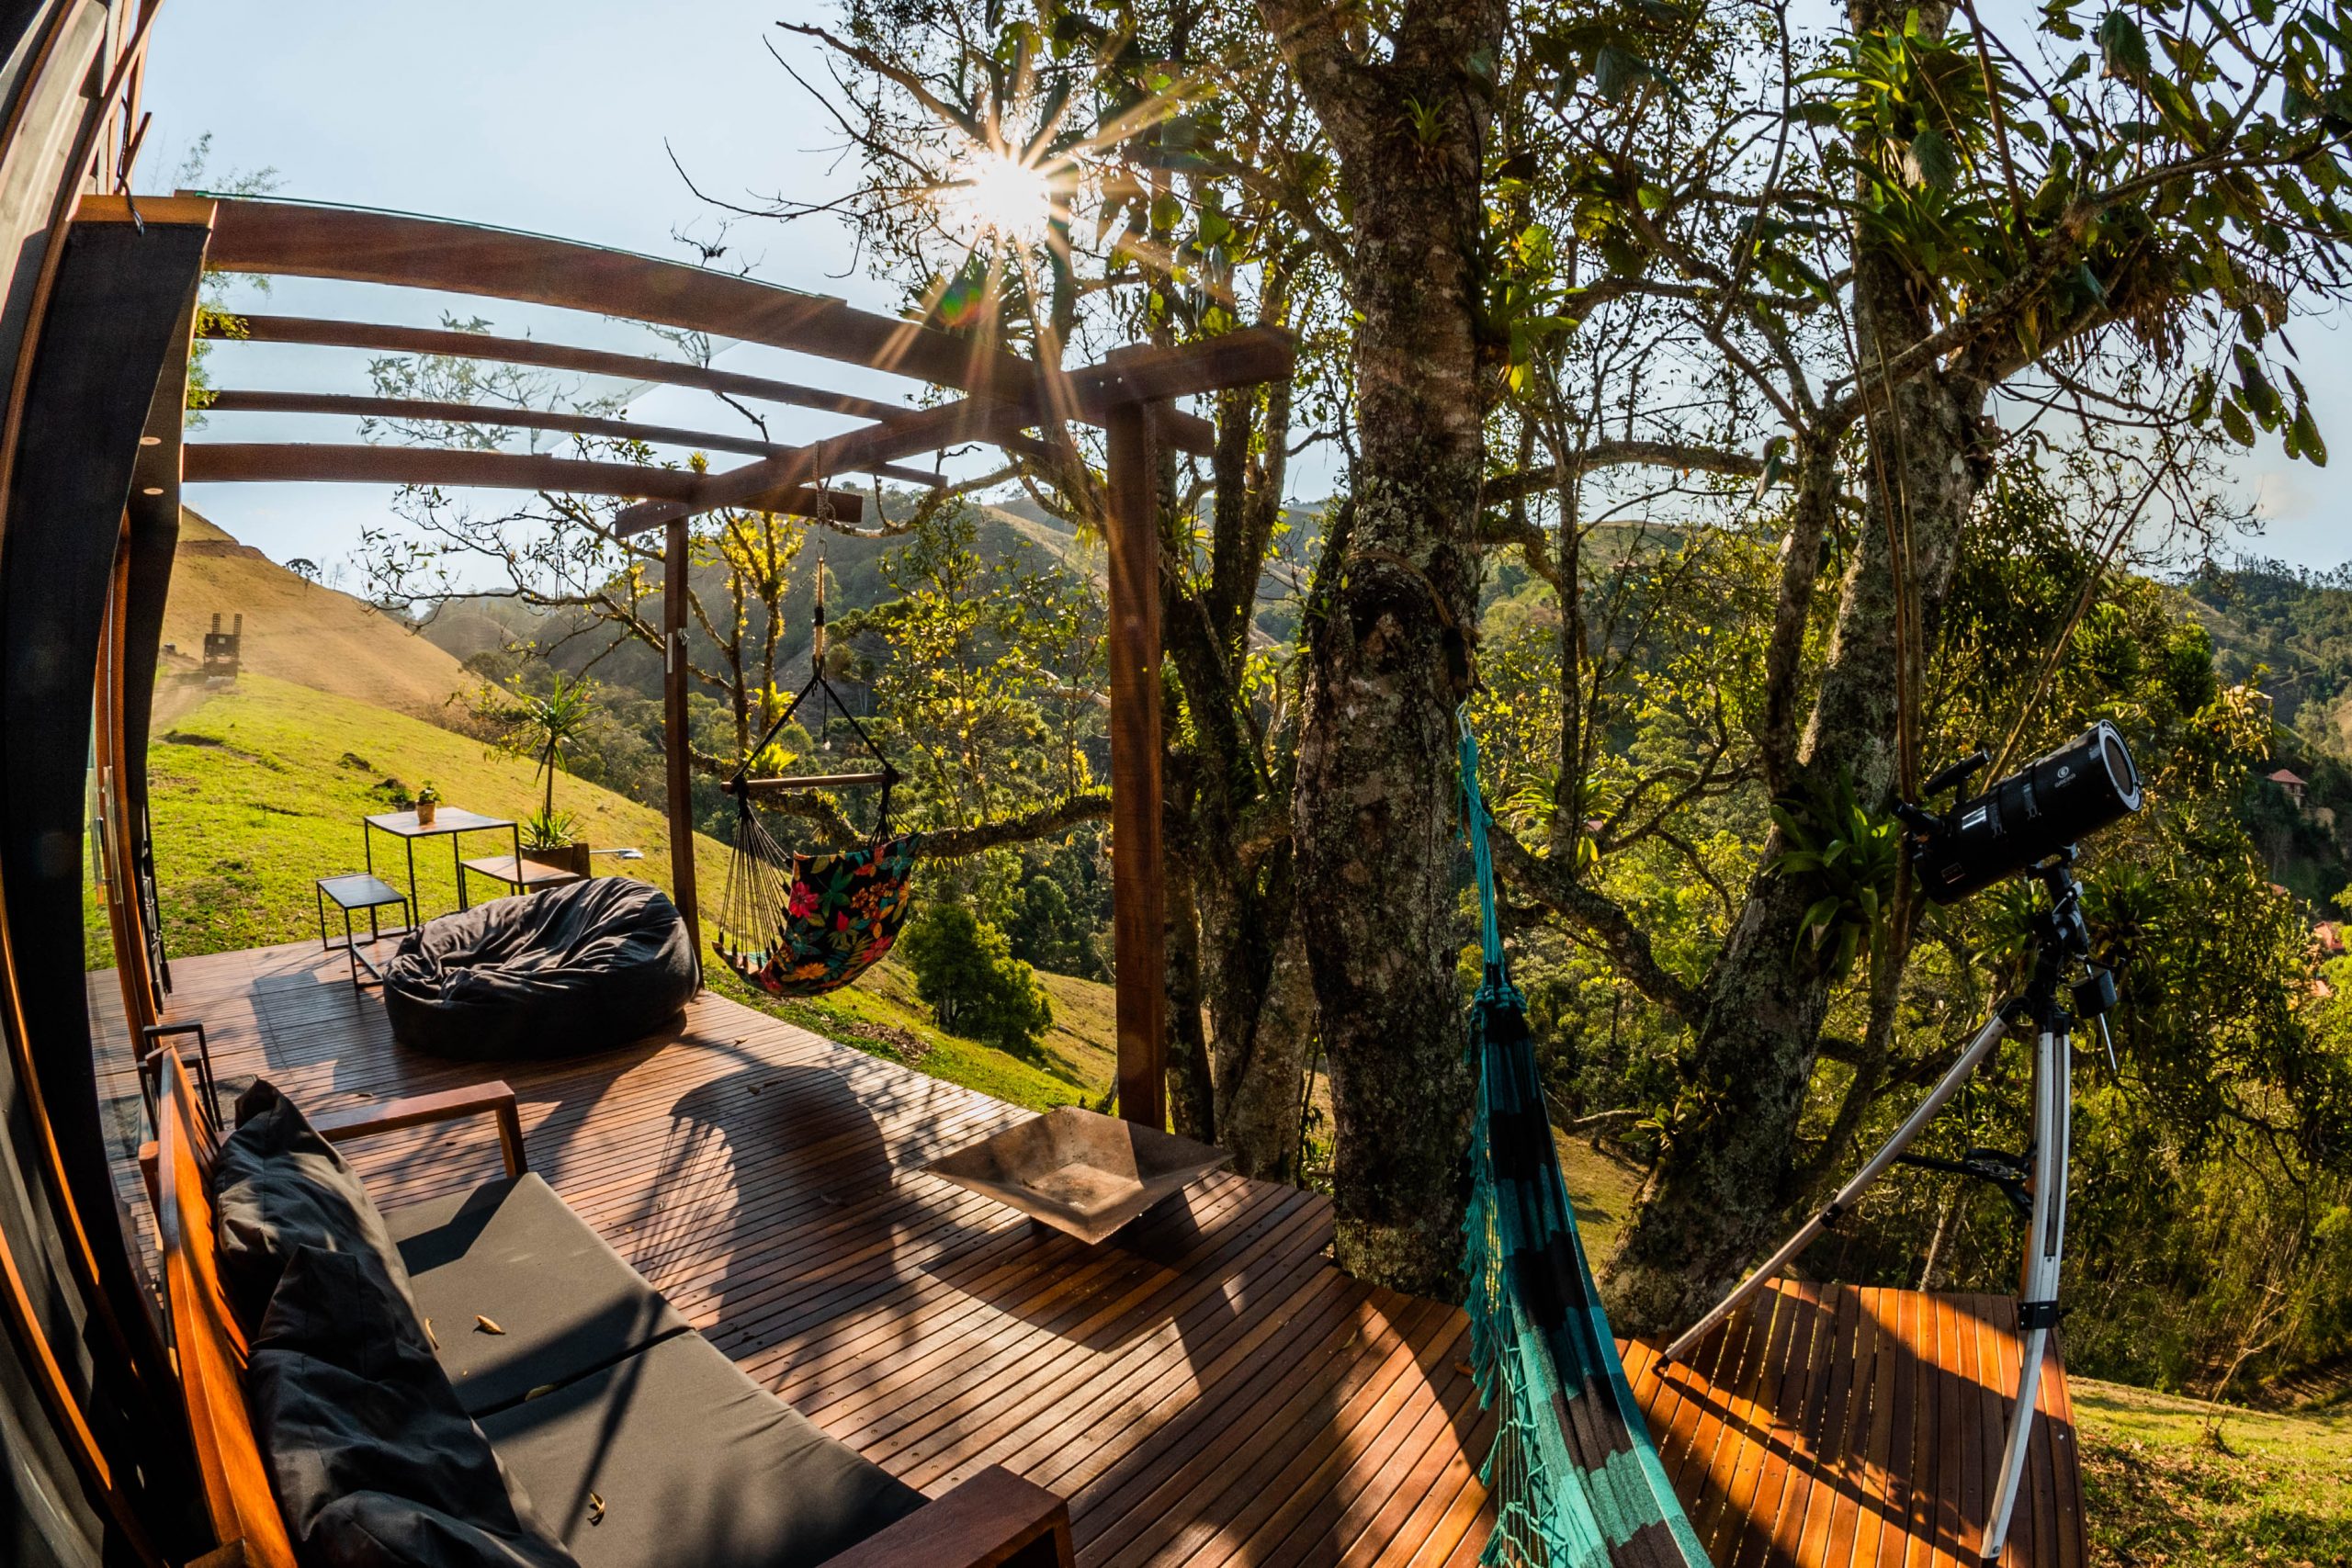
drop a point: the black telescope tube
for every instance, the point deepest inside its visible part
(2030, 816)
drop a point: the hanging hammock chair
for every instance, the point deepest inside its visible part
(1574, 1480)
(800, 925)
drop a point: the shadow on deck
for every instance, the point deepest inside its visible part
(1206, 1388)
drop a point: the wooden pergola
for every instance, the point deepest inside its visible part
(1001, 399)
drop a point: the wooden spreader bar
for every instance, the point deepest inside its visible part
(299, 240)
(793, 782)
(212, 462)
(1135, 377)
(490, 415)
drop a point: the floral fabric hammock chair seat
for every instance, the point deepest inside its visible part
(800, 925)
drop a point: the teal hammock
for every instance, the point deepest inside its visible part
(1573, 1477)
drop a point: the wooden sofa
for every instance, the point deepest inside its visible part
(638, 1441)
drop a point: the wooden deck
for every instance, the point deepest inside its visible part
(1205, 1389)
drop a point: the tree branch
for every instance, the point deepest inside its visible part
(1688, 456)
(952, 843)
(1602, 918)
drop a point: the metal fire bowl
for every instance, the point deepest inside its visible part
(1083, 1173)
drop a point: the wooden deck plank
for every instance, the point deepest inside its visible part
(1154, 1516)
(936, 1402)
(1338, 1456)
(1844, 1434)
(1205, 1389)
(1781, 1492)
(1200, 1352)
(1040, 1409)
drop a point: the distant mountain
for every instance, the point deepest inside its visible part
(2295, 624)
(570, 638)
(2294, 627)
(297, 630)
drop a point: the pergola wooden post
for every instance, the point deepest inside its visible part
(1139, 901)
(677, 744)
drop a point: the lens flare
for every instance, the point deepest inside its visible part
(990, 194)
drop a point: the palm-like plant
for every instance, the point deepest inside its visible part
(549, 725)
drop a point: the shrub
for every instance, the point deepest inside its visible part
(965, 969)
(1044, 929)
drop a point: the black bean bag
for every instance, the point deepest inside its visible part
(574, 969)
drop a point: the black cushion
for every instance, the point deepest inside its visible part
(584, 967)
(278, 1187)
(374, 1463)
(511, 1252)
(694, 1463)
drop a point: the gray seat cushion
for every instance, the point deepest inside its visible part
(694, 1465)
(511, 1251)
(370, 1457)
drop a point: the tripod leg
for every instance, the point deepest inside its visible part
(2053, 1103)
(1916, 1122)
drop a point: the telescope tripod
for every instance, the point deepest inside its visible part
(2051, 1006)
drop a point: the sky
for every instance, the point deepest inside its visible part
(563, 119)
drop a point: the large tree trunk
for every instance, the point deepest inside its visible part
(1261, 1011)
(1375, 806)
(1190, 1103)
(1723, 1186)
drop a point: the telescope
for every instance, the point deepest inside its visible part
(2025, 824)
(2053, 801)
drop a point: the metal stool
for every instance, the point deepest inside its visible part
(361, 890)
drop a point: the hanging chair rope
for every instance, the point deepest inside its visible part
(796, 924)
(1573, 1478)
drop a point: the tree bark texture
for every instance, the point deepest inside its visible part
(1723, 1186)
(1375, 808)
(1263, 1022)
(1191, 1102)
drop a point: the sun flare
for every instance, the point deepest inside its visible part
(991, 193)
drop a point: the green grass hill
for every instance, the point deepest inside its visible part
(294, 629)
(2183, 1484)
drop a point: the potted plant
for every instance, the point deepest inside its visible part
(553, 838)
(427, 799)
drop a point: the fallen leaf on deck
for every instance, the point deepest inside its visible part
(485, 1325)
(595, 1509)
(430, 1337)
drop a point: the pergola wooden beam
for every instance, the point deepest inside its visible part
(496, 416)
(630, 368)
(1094, 394)
(299, 240)
(218, 462)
